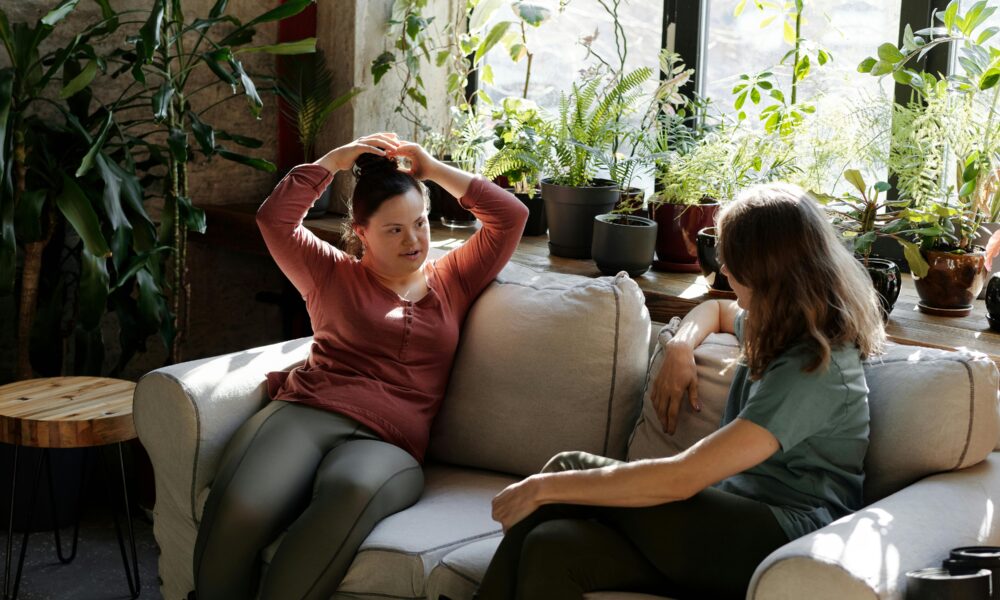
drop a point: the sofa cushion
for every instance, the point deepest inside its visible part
(649, 440)
(546, 363)
(931, 411)
(397, 556)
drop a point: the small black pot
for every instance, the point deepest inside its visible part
(887, 282)
(993, 302)
(972, 558)
(322, 204)
(934, 584)
(708, 259)
(570, 212)
(452, 213)
(537, 224)
(623, 243)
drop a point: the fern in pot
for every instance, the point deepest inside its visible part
(518, 127)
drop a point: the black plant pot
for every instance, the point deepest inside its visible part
(537, 224)
(993, 302)
(451, 212)
(570, 213)
(322, 204)
(623, 243)
(936, 584)
(887, 282)
(708, 259)
(972, 558)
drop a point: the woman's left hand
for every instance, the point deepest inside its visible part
(421, 162)
(516, 502)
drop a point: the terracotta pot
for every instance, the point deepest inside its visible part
(677, 236)
(951, 284)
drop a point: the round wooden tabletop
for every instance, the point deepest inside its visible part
(66, 412)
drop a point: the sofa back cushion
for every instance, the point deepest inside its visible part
(546, 363)
(931, 411)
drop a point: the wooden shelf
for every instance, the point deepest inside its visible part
(667, 294)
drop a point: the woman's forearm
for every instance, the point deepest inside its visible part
(455, 181)
(712, 316)
(635, 484)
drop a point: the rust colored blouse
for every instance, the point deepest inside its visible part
(377, 358)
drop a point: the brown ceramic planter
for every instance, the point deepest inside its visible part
(951, 284)
(677, 235)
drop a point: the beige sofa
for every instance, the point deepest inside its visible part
(553, 362)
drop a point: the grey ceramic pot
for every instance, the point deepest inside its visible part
(570, 213)
(623, 243)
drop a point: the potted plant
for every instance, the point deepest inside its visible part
(946, 166)
(464, 146)
(305, 85)
(518, 125)
(861, 219)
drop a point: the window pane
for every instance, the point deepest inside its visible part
(848, 104)
(559, 57)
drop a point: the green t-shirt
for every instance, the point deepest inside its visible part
(821, 421)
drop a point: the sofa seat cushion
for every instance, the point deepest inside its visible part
(395, 559)
(546, 363)
(931, 411)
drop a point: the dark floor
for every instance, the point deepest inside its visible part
(97, 570)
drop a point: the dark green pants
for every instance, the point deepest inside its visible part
(705, 547)
(322, 476)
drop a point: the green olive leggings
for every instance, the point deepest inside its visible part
(705, 547)
(322, 476)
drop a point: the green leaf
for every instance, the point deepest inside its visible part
(967, 188)
(495, 35)
(76, 207)
(289, 9)
(881, 68)
(417, 96)
(381, 65)
(161, 102)
(866, 65)
(88, 159)
(111, 198)
(253, 98)
(246, 142)
(80, 81)
(257, 163)
(882, 187)
(911, 251)
(739, 8)
(487, 75)
(218, 9)
(203, 133)
(949, 15)
(853, 176)
(216, 68)
(986, 34)
(481, 14)
(989, 79)
(518, 51)
(150, 32)
(789, 34)
(303, 46)
(58, 13)
(740, 100)
(178, 144)
(532, 14)
(148, 300)
(94, 289)
(888, 52)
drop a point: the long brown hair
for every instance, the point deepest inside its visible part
(806, 286)
(378, 179)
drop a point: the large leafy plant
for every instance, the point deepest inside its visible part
(71, 206)
(170, 48)
(946, 161)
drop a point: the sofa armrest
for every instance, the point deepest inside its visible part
(867, 554)
(185, 414)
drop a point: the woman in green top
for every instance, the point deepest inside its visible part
(787, 460)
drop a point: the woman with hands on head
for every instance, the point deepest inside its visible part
(787, 460)
(340, 445)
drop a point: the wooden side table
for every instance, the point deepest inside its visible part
(67, 412)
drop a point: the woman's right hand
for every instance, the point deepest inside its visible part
(342, 158)
(678, 374)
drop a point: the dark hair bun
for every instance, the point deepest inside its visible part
(368, 165)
